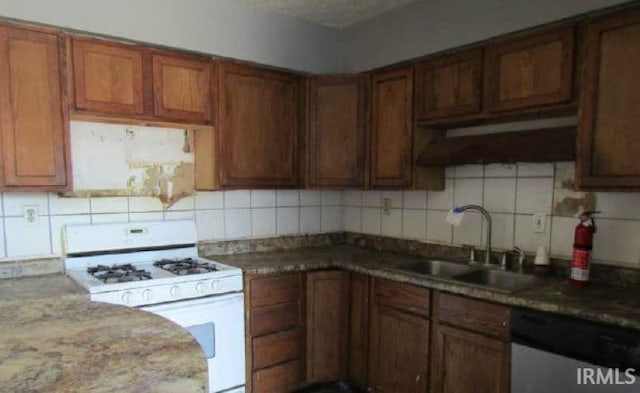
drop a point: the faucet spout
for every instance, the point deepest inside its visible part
(487, 216)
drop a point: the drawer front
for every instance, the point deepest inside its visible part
(476, 315)
(276, 318)
(403, 296)
(267, 291)
(278, 379)
(276, 348)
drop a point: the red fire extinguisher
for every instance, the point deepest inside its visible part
(582, 246)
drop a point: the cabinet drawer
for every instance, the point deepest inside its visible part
(276, 348)
(278, 379)
(402, 296)
(266, 291)
(476, 315)
(276, 318)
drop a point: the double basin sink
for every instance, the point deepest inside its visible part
(474, 275)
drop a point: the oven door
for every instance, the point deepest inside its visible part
(217, 323)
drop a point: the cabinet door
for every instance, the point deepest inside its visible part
(392, 128)
(259, 125)
(338, 108)
(399, 357)
(530, 71)
(32, 118)
(359, 330)
(182, 88)
(465, 362)
(608, 147)
(449, 85)
(107, 77)
(327, 325)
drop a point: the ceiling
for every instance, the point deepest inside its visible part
(337, 14)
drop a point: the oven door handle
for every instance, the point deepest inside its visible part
(205, 335)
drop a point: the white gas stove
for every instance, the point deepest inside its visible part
(155, 266)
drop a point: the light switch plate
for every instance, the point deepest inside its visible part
(539, 222)
(386, 206)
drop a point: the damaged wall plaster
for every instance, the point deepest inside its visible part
(119, 160)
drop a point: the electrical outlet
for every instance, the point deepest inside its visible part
(386, 206)
(539, 222)
(30, 214)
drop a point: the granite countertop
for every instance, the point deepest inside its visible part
(53, 339)
(608, 304)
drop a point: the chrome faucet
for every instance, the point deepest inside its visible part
(460, 209)
(521, 258)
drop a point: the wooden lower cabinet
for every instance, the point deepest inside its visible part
(327, 325)
(399, 338)
(359, 331)
(466, 362)
(471, 351)
(275, 330)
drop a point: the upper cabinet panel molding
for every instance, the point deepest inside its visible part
(449, 85)
(530, 71)
(108, 77)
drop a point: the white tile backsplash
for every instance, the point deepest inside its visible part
(15, 202)
(534, 195)
(263, 222)
(500, 195)
(237, 199)
(263, 198)
(468, 192)
(210, 224)
(27, 240)
(414, 224)
(310, 219)
(415, 200)
(287, 198)
(109, 205)
(331, 218)
(391, 224)
(206, 200)
(511, 192)
(287, 220)
(237, 223)
(371, 220)
(59, 205)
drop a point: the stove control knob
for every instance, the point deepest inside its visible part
(146, 295)
(174, 291)
(216, 285)
(126, 297)
(200, 287)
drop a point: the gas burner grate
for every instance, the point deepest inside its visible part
(186, 266)
(118, 273)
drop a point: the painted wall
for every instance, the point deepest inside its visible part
(429, 26)
(221, 27)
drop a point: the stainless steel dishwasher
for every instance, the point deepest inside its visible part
(552, 353)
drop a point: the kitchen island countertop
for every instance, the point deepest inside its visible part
(53, 339)
(601, 303)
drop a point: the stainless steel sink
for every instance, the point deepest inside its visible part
(435, 268)
(498, 280)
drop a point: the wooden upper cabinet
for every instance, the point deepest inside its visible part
(259, 126)
(609, 127)
(449, 85)
(108, 77)
(529, 71)
(338, 119)
(392, 128)
(182, 87)
(33, 123)
(327, 325)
